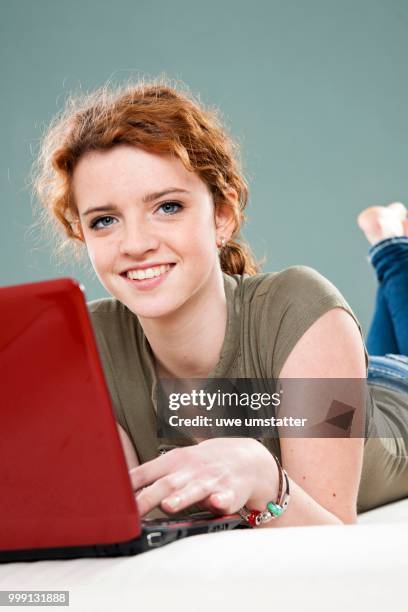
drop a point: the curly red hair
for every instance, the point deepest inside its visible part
(159, 118)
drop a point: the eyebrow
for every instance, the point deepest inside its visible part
(150, 197)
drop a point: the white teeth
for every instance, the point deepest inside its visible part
(148, 272)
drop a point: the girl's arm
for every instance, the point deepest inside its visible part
(324, 472)
(226, 473)
(128, 450)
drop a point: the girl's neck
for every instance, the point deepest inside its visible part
(188, 343)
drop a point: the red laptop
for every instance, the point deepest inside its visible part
(64, 485)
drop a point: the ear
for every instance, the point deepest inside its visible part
(225, 219)
(77, 229)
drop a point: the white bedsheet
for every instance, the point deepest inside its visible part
(328, 568)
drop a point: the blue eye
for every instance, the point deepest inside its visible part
(168, 208)
(101, 220)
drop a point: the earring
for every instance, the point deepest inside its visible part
(223, 241)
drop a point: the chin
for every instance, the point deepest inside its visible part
(154, 310)
(151, 305)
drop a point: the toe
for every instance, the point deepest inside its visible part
(398, 209)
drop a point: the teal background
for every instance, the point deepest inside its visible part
(315, 91)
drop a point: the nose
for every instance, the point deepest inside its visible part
(138, 238)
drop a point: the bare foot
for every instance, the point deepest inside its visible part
(381, 222)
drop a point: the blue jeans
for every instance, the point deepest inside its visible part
(387, 341)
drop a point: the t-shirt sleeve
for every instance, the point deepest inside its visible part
(99, 322)
(301, 295)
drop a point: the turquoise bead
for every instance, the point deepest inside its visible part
(274, 509)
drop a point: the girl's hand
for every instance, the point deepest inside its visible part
(222, 474)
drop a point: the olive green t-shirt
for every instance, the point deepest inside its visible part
(267, 314)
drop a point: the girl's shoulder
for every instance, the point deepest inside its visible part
(110, 309)
(114, 324)
(281, 306)
(105, 306)
(293, 284)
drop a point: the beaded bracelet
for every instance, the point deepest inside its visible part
(278, 499)
(273, 510)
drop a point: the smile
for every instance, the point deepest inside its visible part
(148, 272)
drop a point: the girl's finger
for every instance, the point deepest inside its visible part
(223, 501)
(151, 496)
(192, 493)
(153, 470)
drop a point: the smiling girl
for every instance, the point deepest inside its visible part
(148, 181)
